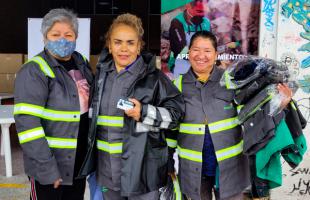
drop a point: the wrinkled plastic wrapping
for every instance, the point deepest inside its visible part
(251, 75)
(243, 71)
(172, 190)
(278, 98)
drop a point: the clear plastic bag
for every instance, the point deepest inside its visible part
(243, 71)
(277, 99)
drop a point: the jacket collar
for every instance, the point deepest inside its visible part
(78, 60)
(215, 75)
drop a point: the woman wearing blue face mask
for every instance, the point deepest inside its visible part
(51, 111)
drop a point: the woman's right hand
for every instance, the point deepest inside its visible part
(57, 183)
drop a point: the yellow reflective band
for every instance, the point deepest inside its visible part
(239, 107)
(56, 115)
(293, 105)
(270, 96)
(114, 121)
(30, 135)
(190, 154)
(28, 109)
(178, 82)
(84, 58)
(53, 115)
(229, 83)
(61, 143)
(229, 152)
(198, 129)
(45, 68)
(177, 190)
(111, 148)
(171, 143)
(223, 125)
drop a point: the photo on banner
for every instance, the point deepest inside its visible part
(234, 22)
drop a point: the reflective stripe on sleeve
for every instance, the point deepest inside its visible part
(61, 143)
(28, 109)
(140, 127)
(171, 143)
(30, 135)
(151, 111)
(165, 115)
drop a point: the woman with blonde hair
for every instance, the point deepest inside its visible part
(132, 104)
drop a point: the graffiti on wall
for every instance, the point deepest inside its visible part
(269, 12)
(302, 186)
(299, 10)
(268, 32)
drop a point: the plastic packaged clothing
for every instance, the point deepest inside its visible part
(255, 104)
(247, 92)
(245, 70)
(259, 129)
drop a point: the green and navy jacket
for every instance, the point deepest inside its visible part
(209, 105)
(47, 116)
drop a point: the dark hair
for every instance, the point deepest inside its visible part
(193, 3)
(206, 35)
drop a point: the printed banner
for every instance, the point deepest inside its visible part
(234, 22)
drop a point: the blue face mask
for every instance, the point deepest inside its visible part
(61, 47)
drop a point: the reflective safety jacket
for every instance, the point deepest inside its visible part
(137, 150)
(209, 105)
(47, 115)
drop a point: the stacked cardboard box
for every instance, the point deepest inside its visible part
(9, 66)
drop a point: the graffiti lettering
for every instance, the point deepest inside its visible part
(269, 13)
(301, 171)
(303, 187)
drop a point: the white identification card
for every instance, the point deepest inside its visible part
(124, 104)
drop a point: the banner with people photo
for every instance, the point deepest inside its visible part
(234, 22)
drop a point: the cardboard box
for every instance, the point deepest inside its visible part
(7, 83)
(93, 62)
(158, 62)
(25, 56)
(10, 63)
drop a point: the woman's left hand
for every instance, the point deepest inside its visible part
(135, 112)
(287, 94)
